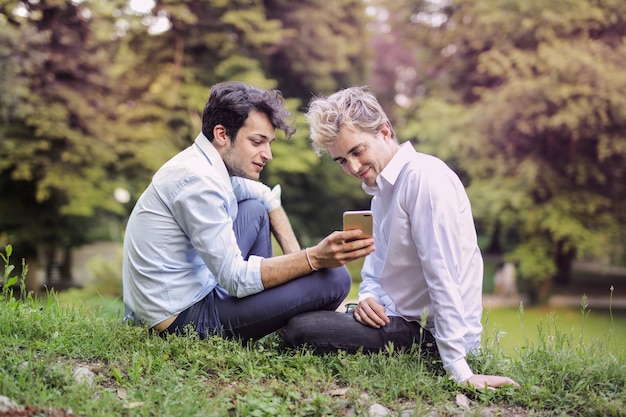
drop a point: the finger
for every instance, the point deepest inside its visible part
(354, 255)
(349, 235)
(363, 318)
(509, 381)
(357, 244)
(376, 308)
(379, 310)
(501, 381)
(358, 248)
(371, 315)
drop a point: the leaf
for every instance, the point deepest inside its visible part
(12, 281)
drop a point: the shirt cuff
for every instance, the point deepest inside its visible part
(254, 284)
(460, 370)
(273, 201)
(366, 295)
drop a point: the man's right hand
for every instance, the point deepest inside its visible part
(339, 248)
(371, 313)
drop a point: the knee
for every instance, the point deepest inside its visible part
(293, 335)
(253, 208)
(341, 279)
(301, 329)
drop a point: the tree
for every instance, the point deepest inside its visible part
(56, 152)
(95, 96)
(325, 49)
(536, 118)
(95, 100)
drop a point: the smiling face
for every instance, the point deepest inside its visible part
(250, 151)
(363, 154)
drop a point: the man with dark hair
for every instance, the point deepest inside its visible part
(197, 248)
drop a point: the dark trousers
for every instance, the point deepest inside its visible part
(260, 314)
(329, 331)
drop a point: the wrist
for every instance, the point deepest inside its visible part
(310, 260)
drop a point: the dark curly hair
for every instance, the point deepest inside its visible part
(230, 102)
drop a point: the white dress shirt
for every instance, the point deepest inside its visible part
(179, 241)
(427, 260)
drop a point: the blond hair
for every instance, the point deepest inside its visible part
(354, 107)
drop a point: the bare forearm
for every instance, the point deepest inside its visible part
(284, 268)
(282, 230)
(335, 250)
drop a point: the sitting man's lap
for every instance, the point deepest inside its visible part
(260, 314)
(327, 331)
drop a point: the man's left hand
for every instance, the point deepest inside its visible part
(490, 381)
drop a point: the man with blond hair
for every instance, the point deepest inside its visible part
(423, 283)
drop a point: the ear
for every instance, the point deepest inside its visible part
(220, 138)
(386, 132)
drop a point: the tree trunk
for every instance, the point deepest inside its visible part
(538, 292)
(495, 247)
(564, 260)
(65, 268)
(59, 268)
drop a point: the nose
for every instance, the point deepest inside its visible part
(266, 154)
(353, 166)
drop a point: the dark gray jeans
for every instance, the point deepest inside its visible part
(260, 314)
(329, 331)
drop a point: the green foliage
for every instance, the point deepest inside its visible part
(325, 48)
(8, 281)
(93, 98)
(56, 145)
(526, 105)
(558, 354)
(522, 98)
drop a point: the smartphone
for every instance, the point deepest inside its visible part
(358, 219)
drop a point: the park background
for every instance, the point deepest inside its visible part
(524, 99)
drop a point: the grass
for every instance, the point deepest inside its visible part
(513, 328)
(140, 374)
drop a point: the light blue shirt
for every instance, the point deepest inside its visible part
(179, 241)
(427, 258)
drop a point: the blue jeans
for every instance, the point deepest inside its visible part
(260, 314)
(330, 331)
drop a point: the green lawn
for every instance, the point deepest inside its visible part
(515, 330)
(139, 374)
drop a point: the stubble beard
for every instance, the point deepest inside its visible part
(233, 168)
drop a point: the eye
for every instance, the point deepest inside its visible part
(358, 151)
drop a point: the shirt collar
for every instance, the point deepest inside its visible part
(391, 172)
(212, 155)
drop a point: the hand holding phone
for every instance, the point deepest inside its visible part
(359, 219)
